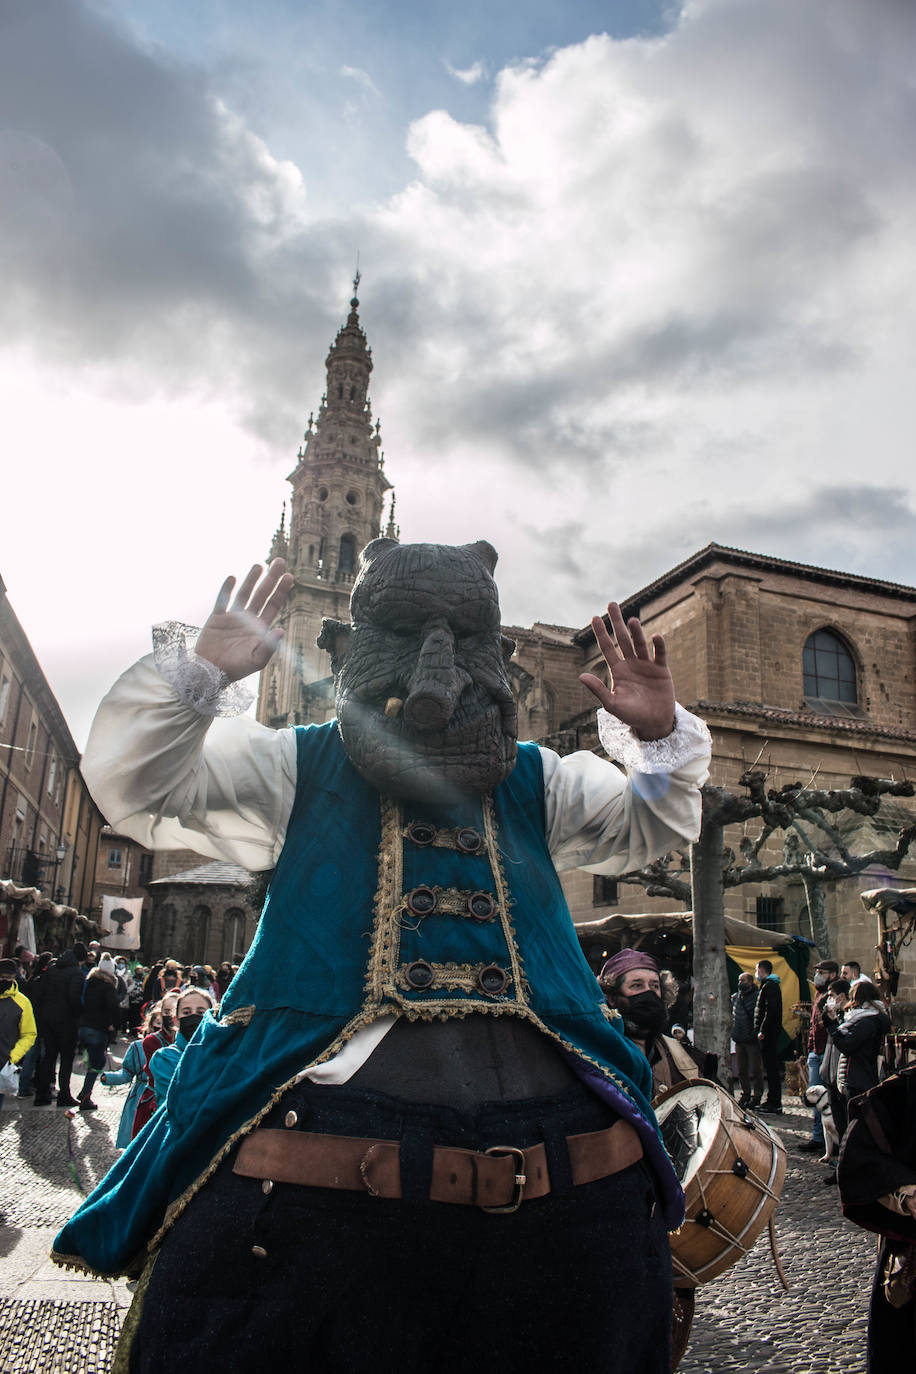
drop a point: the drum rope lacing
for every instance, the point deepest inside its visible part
(712, 1223)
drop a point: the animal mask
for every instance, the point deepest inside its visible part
(424, 706)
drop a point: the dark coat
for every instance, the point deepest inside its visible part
(860, 1040)
(878, 1156)
(60, 996)
(744, 1005)
(100, 1002)
(768, 1011)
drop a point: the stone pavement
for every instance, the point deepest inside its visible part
(745, 1320)
(56, 1320)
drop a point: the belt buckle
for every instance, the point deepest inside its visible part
(521, 1177)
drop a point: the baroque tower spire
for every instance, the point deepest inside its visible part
(339, 490)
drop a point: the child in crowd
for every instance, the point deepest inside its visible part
(193, 1006)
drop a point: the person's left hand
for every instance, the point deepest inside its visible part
(641, 691)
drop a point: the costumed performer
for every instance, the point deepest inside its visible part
(877, 1178)
(415, 1137)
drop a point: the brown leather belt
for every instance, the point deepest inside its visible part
(497, 1179)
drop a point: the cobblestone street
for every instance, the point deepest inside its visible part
(52, 1319)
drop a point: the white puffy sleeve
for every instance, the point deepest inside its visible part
(174, 774)
(610, 822)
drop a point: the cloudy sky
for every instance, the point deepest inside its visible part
(636, 275)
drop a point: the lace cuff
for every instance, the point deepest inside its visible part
(196, 681)
(689, 740)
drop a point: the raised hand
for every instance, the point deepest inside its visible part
(239, 638)
(641, 692)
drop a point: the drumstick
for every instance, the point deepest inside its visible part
(782, 1278)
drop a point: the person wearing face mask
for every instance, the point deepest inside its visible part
(631, 982)
(17, 1021)
(824, 974)
(192, 1007)
(747, 1048)
(834, 1009)
(140, 1102)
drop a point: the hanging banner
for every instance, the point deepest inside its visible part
(121, 922)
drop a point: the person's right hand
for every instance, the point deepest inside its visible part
(238, 639)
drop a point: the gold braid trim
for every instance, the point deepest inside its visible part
(121, 1361)
(463, 976)
(240, 1017)
(503, 898)
(448, 839)
(451, 901)
(77, 1262)
(385, 946)
(453, 1009)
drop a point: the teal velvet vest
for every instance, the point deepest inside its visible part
(374, 909)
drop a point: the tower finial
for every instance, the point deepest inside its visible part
(358, 278)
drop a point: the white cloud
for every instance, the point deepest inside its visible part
(362, 79)
(673, 265)
(468, 76)
(660, 296)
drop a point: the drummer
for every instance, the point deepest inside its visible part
(631, 982)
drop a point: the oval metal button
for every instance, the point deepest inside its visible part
(259, 1251)
(421, 832)
(291, 1119)
(469, 841)
(481, 906)
(492, 980)
(422, 901)
(419, 975)
(267, 1185)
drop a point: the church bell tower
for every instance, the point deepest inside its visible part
(339, 491)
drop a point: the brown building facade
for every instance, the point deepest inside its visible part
(49, 824)
(804, 673)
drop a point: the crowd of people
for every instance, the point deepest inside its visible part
(86, 999)
(849, 1022)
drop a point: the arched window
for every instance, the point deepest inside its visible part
(234, 936)
(200, 932)
(829, 668)
(346, 559)
(164, 922)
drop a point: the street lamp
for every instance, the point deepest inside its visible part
(60, 854)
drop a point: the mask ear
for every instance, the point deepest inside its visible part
(374, 548)
(508, 647)
(485, 552)
(335, 638)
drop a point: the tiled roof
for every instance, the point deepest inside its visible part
(214, 874)
(848, 725)
(744, 558)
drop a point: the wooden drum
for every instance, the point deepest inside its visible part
(731, 1166)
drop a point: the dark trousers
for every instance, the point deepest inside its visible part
(58, 1040)
(309, 1279)
(772, 1067)
(95, 1043)
(891, 1330)
(750, 1069)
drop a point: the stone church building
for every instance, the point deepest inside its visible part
(803, 672)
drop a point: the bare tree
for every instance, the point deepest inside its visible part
(814, 850)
